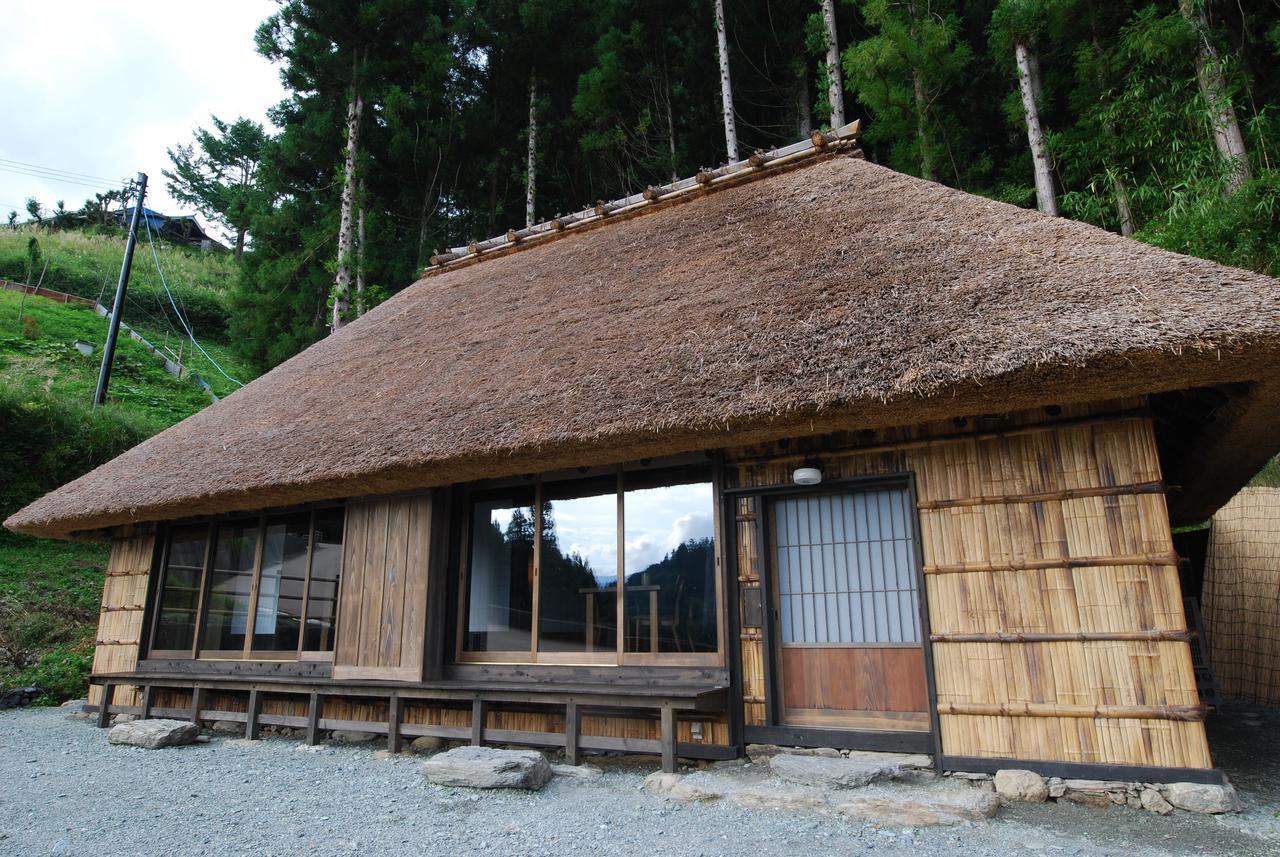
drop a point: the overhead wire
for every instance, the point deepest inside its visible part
(181, 318)
(105, 184)
(71, 173)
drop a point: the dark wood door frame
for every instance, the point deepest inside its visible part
(776, 731)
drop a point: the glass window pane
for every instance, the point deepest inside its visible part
(278, 618)
(322, 594)
(670, 569)
(578, 572)
(180, 596)
(500, 577)
(226, 614)
(857, 585)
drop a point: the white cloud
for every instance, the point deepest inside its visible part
(105, 88)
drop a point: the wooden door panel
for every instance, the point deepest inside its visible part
(381, 633)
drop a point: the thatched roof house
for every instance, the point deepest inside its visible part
(1028, 386)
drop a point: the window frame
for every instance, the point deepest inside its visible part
(677, 474)
(259, 520)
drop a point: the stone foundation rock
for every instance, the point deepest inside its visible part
(153, 734)
(1023, 786)
(488, 768)
(1202, 797)
(943, 806)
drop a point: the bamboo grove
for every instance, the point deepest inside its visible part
(414, 125)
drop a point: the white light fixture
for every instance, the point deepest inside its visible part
(807, 475)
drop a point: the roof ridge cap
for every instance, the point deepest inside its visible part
(704, 181)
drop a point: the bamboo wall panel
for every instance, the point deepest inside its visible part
(1034, 524)
(1241, 605)
(382, 604)
(752, 645)
(124, 602)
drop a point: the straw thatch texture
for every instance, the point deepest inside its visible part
(124, 601)
(840, 294)
(1241, 601)
(1051, 587)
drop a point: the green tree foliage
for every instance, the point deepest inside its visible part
(628, 95)
(217, 174)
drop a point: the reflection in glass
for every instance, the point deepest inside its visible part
(184, 563)
(578, 568)
(500, 582)
(670, 569)
(322, 592)
(226, 616)
(277, 620)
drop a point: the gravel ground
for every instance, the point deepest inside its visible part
(66, 791)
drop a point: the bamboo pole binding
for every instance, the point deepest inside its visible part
(1156, 487)
(1183, 713)
(1078, 636)
(1055, 562)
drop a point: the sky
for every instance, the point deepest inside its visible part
(104, 89)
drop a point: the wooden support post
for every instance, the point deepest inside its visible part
(668, 738)
(478, 709)
(313, 719)
(571, 733)
(146, 702)
(104, 707)
(251, 722)
(393, 723)
(197, 702)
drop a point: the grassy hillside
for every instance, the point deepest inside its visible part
(49, 591)
(87, 264)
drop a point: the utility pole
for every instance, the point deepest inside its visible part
(117, 308)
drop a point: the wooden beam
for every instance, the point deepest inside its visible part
(393, 723)
(313, 719)
(251, 716)
(197, 698)
(478, 709)
(668, 739)
(571, 733)
(104, 707)
(146, 701)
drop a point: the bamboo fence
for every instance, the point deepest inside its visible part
(124, 601)
(1241, 596)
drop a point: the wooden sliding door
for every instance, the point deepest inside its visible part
(846, 599)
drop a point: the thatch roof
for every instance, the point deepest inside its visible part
(836, 294)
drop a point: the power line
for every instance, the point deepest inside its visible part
(72, 173)
(181, 319)
(106, 183)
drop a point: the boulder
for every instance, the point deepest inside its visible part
(123, 718)
(577, 772)
(1017, 785)
(352, 736)
(759, 753)
(153, 734)
(686, 789)
(488, 768)
(832, 773)
(426, 744)
(1202, 797)
(226, 727)
(941, 806)
(1057, 787)
(775, 797)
